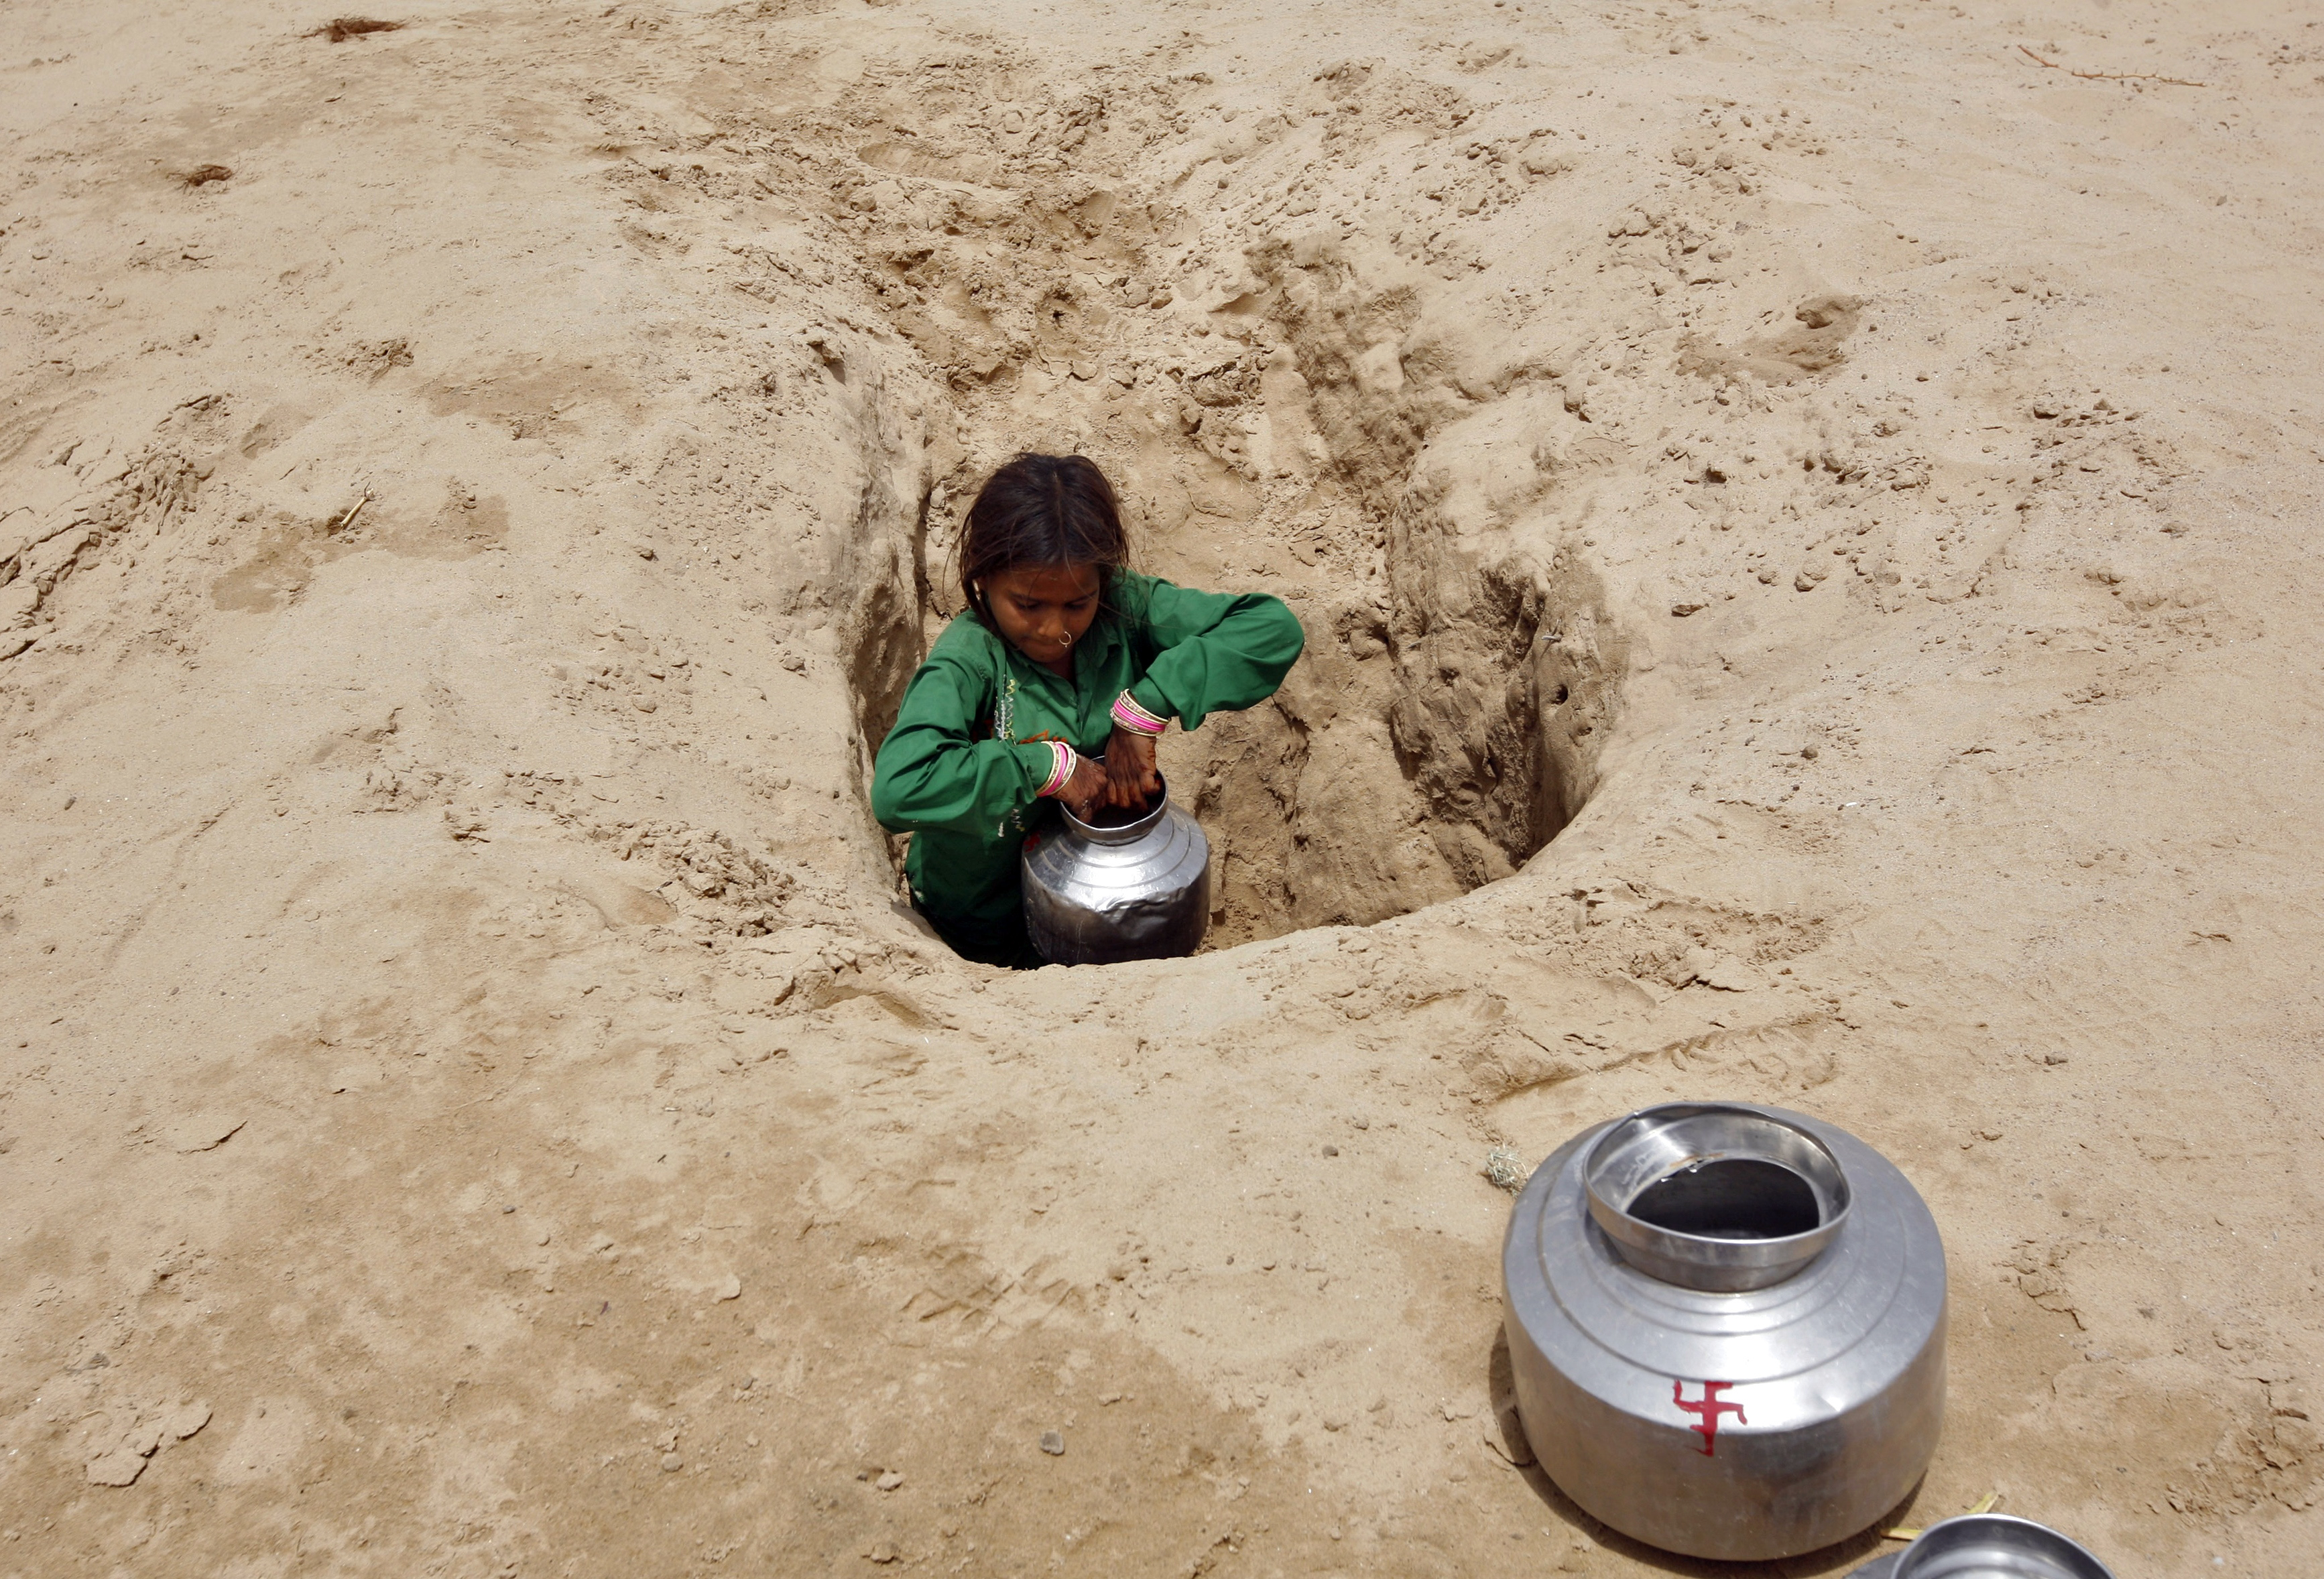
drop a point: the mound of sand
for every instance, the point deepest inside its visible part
(1801, 518)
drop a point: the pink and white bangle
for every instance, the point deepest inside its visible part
(1061, 768)
(1136, 718)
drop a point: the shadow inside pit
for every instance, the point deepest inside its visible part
(1456, 691)
(1841, 1557)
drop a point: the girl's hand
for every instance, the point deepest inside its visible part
(1132, 781)
(1086, 790)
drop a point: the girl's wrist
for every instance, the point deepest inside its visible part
(1063, 761)
(1129, 715)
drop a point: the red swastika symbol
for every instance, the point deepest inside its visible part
(1707, 1410)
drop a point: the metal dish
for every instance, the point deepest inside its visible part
(1994, 1545)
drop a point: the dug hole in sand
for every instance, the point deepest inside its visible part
(1802, 516)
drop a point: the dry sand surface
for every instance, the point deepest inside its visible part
(1804, 518)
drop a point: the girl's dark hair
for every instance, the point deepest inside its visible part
(1042, 510)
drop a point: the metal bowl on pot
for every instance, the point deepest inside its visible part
(1715, 1197)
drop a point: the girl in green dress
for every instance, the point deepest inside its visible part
(1053, 685)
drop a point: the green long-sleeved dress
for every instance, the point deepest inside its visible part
(960, 770)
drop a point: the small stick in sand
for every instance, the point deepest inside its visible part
(2110, 75)
(1984, 1504)
(351, 515)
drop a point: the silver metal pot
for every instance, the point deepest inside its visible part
(1096, 894)
(1726, 1327)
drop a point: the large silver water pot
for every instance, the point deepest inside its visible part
(1095, 895)
(1726, 1327)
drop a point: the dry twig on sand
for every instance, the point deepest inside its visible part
(1984, 1504)
(347, 519)
(2111, 76)
(341, 29)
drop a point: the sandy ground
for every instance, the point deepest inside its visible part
(472, 1103)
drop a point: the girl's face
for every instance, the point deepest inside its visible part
(1044, 610)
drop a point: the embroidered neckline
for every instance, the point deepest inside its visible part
(1004, 709)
